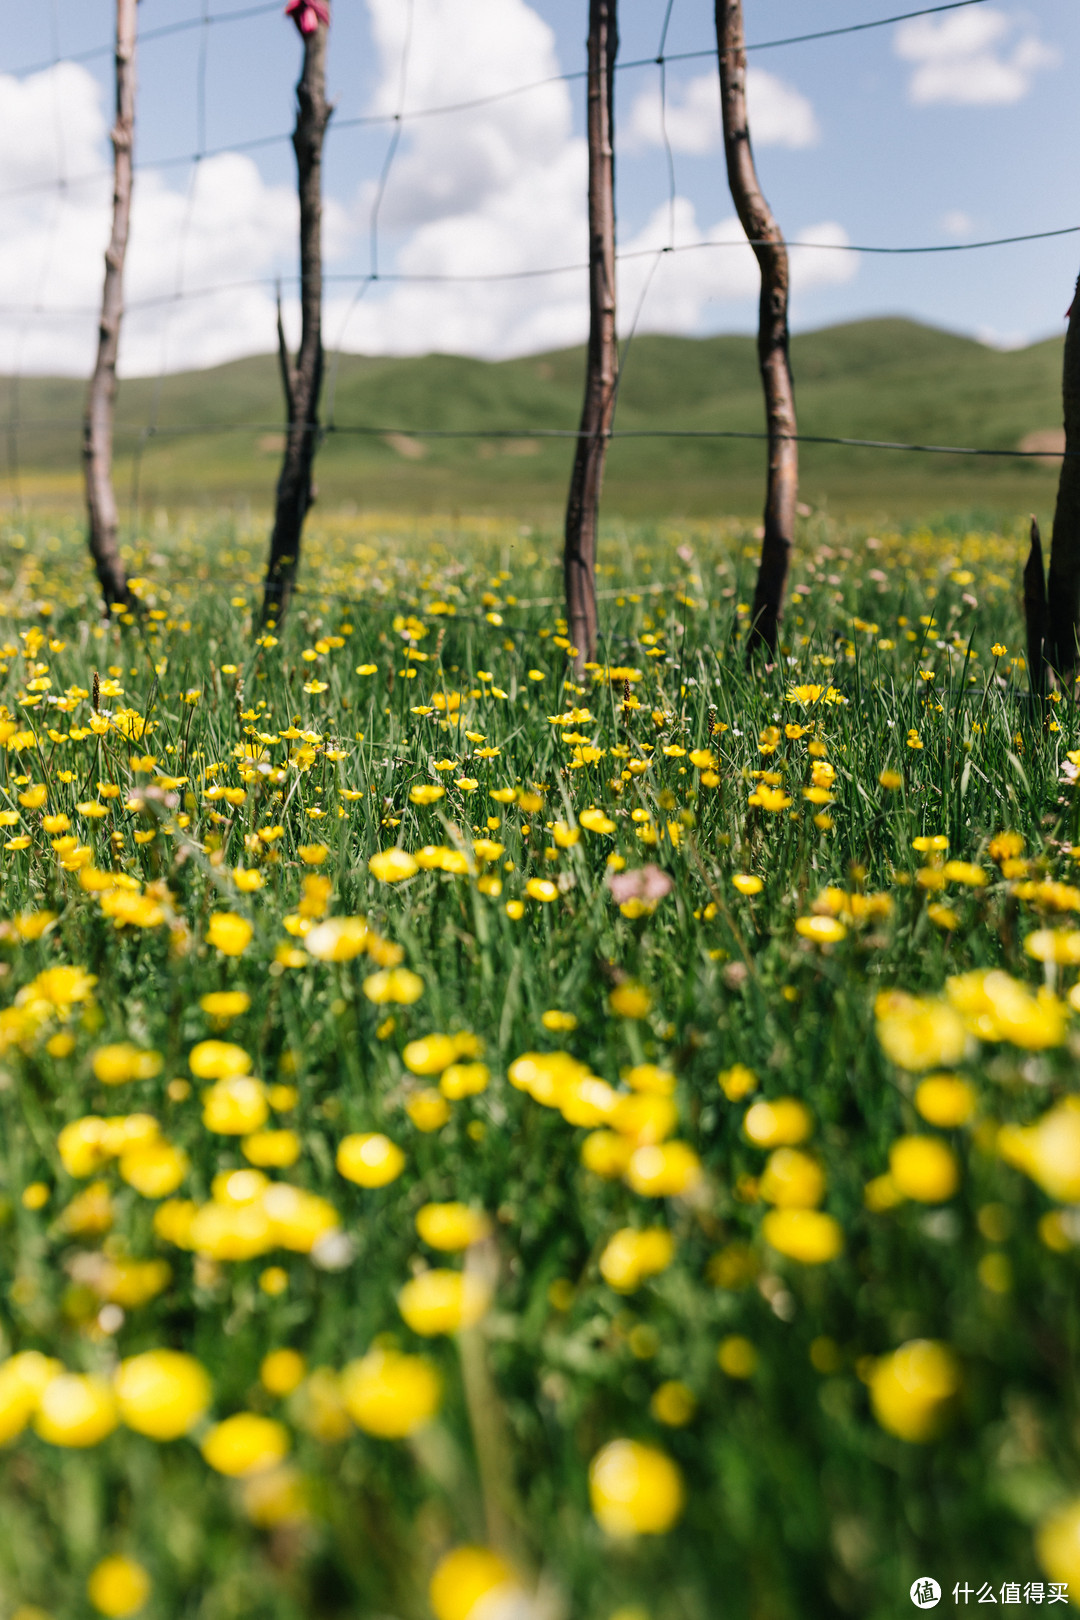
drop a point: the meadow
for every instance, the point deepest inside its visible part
(212, 437)
(479, 1144)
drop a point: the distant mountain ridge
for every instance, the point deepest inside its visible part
(215, 433)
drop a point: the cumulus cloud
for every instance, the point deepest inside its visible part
(976, 58)
(779, 115)
(497, 190)
(226, 226)
(716, 266)
(503, 189)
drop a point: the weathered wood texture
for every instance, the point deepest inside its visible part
(602, 361)
(303, 380)
(103, 523)
(1063, 607)
(769, 247)
(1035, 613)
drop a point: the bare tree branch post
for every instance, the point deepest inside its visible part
(763, 232)
(103, 534)
(1035, 613)
(1063, 592)
(302, 381)
(602, 361)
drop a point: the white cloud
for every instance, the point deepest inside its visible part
(779, 115)
(225, 226)
(971, 59)
(498, 189)
(503, 188)
(957, 223)
(688, 285)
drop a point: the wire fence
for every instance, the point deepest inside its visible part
(206, 23)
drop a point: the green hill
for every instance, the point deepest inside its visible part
(887, 379)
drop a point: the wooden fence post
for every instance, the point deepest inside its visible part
(1035, 613)
(768, 244)
(602, 362)
(103, 533)
(1063, 588)
(302, 382)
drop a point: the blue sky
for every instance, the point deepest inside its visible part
(934, 131)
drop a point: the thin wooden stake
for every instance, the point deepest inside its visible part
(773, 358)
(1063, 606)
(1035, 612)
(103, 530)
(303, 381)
(602, 362)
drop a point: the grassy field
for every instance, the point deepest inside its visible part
(887, 379)
(478, 1145)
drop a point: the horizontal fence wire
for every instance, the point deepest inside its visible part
(363, 120)
(352, 278)
(364, 430)
(152, 430)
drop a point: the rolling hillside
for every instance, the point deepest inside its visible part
(888, 378)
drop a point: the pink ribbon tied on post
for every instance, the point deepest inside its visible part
(308, 14)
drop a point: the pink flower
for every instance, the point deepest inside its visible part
(646, 883)
(308, 14)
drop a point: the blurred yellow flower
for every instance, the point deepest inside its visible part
(632, 1254)
(630, 1000)
(224, 1005)
(736, 1356)
(464, 1080)
(113, 1065)
(218, 1060)
(392, 866)
(22, 1379)
(471, 1583)
(1048, 1151)
(805, 1235)
(792, 1180)
(440, 1301)
(1057, 1543)
(945, 1100)
(737, 1082)
(389, 1394)
(783, 1122)
(338, 939)
(162, 1393)
(229, 933)
(154, 1168)
(924, 1168)
(665, 1171)
(235, 1107)
(282, 1371)
(75, 1410)
(369, 1159)
(245, 1443)
(428, 1109)
(275, 1150)
(911, 1388)
(822, 930)
(118, 1587)
(919, 1033)
(635, 1489)
(1060, 945)
(451, 1226)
